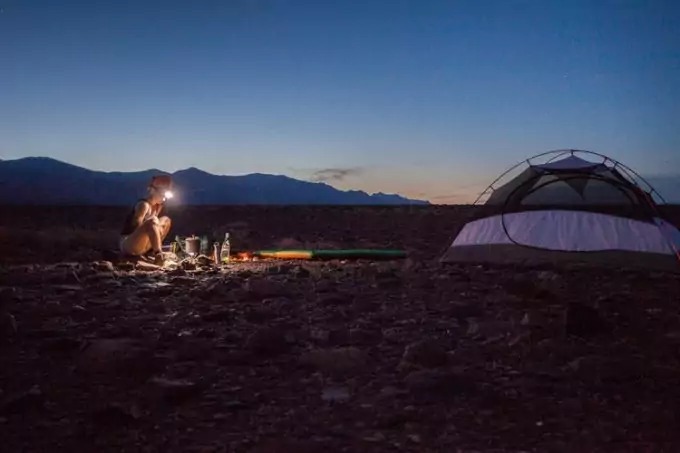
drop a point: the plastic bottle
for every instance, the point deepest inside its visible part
(226, 250)
(205, 245)
(216, 253)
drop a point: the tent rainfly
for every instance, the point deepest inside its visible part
(569, 209)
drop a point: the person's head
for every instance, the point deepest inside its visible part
(160, 188)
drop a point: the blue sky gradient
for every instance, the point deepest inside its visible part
(426, 98)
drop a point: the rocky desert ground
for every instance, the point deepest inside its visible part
(295, 356)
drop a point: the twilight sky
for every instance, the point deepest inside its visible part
(426, 98)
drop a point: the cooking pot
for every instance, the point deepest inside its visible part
(192, 245)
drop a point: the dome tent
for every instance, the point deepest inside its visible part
(574, 206)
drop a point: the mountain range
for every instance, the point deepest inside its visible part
(46, 181)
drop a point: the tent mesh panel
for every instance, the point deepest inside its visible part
(577, 190)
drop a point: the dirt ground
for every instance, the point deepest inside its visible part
(358, 356)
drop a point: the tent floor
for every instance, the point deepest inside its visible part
(505, 254)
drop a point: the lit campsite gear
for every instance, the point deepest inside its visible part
(205, 245)
(192, 246)
(216, 253)
(226, 249)
(189, 246)
(569, 209)
(330, 254)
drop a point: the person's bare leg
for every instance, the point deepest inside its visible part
(145, 238)
(137, 243)
(165, 224)
(148, 237)
(160, 231)
(155, 231)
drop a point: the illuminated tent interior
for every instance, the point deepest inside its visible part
(569, 208)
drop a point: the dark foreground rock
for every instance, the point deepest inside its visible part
(337, 357)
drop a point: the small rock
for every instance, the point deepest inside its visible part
(104, 266)
(235, 405)
(491, 331)
(265, 288)
(527, 287)
(338, 336)
(414, 438)
(437, 382)
(8, 325)
(363, 336)
(178, 272)
(673, 336)
(465, 311)
(584, 321)
(183, 280)
(319, 334)
(268, 341)
(218, 316)
(68, 288)
(548, 276)
(323, 286)
(342, 359)
(392, 334)
(120, 356)
(288, 445)
(193, 349)
(425, 353)
(388, 283)
(114, 304)
(376, 437)
(204, 261)
(259, 315)
(236, 295)
(174, 390)
(117, 413)
(280, 269)
(60, 344)
(74, 266)
(330, 299)
(31, 399)
(8, 294)
(102, 277)
(335, 394)
(126, 266)
(300, 272)
(189, 265)
(390, 391)
(593, 368)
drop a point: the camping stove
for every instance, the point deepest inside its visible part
(190, 251)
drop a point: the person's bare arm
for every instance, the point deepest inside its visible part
(140, 212)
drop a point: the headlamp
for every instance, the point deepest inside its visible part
(168, 194)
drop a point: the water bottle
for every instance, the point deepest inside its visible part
(205, 245)
(216, 253)
(226, 250)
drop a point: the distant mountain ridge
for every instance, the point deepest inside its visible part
(43, 180)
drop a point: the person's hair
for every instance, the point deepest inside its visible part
(161, 182)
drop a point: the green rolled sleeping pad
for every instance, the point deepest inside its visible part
(374, 254)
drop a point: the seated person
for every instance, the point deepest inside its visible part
(144, 230)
